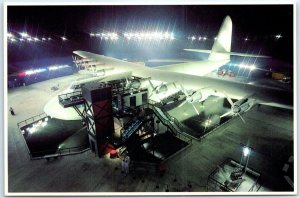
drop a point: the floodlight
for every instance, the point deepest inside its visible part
(32, 130)
(44, 124)
(193, 38)
(49, 39)
(63, 38)
(21, 39)
(24, 34)
(204, 38)
(13, 39)
(43, 38)
(29, 39)
(252, 67)
(10, 35)
(246, 151)
(36, 39)
(92, 34)
(278, 36)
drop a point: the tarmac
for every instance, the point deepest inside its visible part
(268, 131)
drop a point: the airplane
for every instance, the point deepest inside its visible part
(240, 106)
(219, 55)
(55, 110)
(197, 96)
(189, 76)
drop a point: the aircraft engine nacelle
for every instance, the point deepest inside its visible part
(161, 89)
(135, 84)
(196, 97)
(103, 72)
(242, 105)
(138, 83)
(236, 109)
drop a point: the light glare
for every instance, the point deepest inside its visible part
(246, 151)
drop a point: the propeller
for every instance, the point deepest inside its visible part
(195, 108)
(232, 109)
(188, 99)
(162, 88)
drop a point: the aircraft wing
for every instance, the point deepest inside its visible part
(236, 90)
(107, 61)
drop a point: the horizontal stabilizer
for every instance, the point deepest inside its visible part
(272, 104)
(230, 53)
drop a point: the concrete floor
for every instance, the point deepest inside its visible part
(269, 131)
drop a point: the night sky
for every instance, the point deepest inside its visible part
(258, 23)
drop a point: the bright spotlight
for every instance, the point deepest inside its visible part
(21, 39)
(252, 67)
(44, 124)
(193, 38)
(43, 38)
(49, 39)
(63, 38)
(278, 36)
(241, 65)
(36, 39)
(92, 34)
(29, 39)
(10, 35)
(204, 38)
(13, 40)
(32, 130)
(24, 34)
(207, 122)
(246, 151)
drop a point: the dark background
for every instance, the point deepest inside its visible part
(258, 23)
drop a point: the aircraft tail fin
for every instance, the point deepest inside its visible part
(222, 45)
(221, 49)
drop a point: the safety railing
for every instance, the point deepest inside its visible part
(58, 152)
(31, 120)
(70, 99)
(170, 122)
(131, 129)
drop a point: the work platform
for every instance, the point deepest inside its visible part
(268, 129)
(71, 99)
(221, 178)
(49, 137)
(198, 126)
